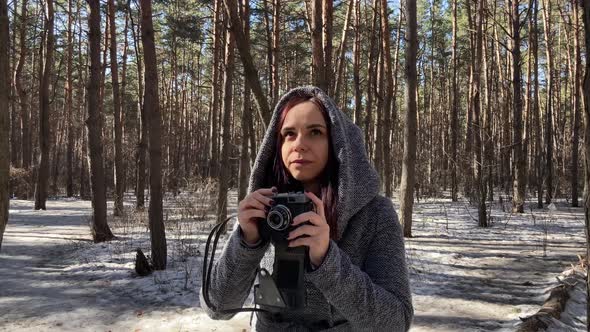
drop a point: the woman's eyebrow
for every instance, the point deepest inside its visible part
(315, 125)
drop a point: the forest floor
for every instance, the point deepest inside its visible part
(463, 277)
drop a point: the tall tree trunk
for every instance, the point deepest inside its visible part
(341, 60)
(15, 127)
(276, 42)
(70, 114)
(409, 158)
(227, 110)
(119, 171)
(356, 64)
(519, 184)
(100, 229)
(44, 108)
(371, 82)
(577, 89)
(82, 109)
(328, 8)
(454, 109)
(244, 169)
(549, 106)
(536, 108)
(152, 109)
(22, 90)
(214, 165)
(477, 128)
(317, 60)
(4, 117)
(125, 104)
(143, 132)
(387, 95)
(587, 152)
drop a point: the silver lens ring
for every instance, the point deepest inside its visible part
(284, 218)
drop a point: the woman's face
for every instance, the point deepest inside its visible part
(305, 142)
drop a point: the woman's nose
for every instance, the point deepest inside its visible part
(299, 144)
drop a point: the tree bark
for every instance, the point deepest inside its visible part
(223, 179)
(576, 103)
(454, 109)
(4, 117)
(318, 66)
(100, 229)
(586, 15)
(244, 167)
(152, 110)
(356, 64)
(519, 184)
(143, 132)
(70, 115)
(119, 171)
(371, 82)
(341, 60)
(537, 110)
(387, 96)
(409, 158)
(548, 172)
(476, 112)
(214, 165)
(44, 108)
(276, 42)
(328, 8)
(22, 90)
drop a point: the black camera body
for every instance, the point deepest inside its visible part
(285, 289)
(285, 208)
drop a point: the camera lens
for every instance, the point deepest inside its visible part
(279, 218)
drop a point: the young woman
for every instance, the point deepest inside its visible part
(359, 279)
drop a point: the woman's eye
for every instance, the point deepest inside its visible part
(287, 133)
(316, 132)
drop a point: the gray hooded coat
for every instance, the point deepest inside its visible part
(362, 283)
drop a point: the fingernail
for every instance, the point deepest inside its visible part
(271, 202)
(274, 190)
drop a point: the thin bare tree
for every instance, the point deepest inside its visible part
(409, 158)
(100, 229)
(586, 15)
(152, 108)
(46, 71)
(119, 171)
(4, 117)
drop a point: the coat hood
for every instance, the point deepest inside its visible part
(358, 182)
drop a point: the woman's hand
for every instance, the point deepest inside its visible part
(250, 209)
(317, 231)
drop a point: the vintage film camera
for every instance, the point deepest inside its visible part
(285, 288)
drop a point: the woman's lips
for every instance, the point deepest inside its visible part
(301, 161)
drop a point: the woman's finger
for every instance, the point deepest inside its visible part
(310, 216)
(302, 241)
(319, 205)
(253, 213)
(261, 198)
(251, 203)
(266, 191)
(304, 230)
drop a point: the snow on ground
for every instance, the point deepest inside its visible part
(464, 278)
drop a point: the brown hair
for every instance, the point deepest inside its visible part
(329, 176)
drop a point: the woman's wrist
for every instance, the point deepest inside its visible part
(249, 241)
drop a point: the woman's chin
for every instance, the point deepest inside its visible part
(301, 176)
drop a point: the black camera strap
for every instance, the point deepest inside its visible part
(208, 267)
